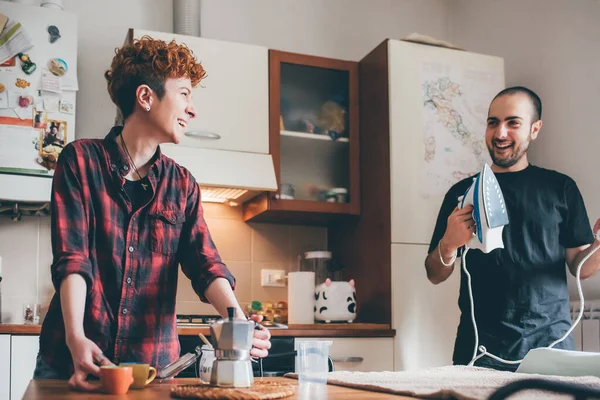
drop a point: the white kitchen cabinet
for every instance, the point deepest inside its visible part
(424, 315)
(232, 102)
(360, 354)
(4, 367)
(24, 350)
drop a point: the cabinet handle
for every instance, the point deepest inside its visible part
(202, 135)
(348, 359)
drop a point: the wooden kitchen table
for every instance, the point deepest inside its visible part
(49, 389)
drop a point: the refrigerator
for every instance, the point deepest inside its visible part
(38, 86)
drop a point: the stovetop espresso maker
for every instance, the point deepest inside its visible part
(232, 341)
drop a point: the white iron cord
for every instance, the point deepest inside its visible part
(482, 349)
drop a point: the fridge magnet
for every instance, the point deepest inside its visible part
(55, 133)
(50, 82)
(3, 21)
(49, 156)
(58, 66)
(51, 104)
(66, 107)
(21, 83)
(53, 141)
(20, 147)
(2, 88)
(54, 33)
(27, 65)
(11, 62)
(25, 101)
(40, 119)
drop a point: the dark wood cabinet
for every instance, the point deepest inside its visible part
(313, 139)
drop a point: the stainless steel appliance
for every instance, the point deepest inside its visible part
(232, 341)
(187, 366)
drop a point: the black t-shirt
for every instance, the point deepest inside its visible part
(520, 291)
(136, 192)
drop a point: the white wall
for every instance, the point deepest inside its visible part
(344, 29)
(552, 47)
(103, 25)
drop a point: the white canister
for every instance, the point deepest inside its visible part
(301, 297)
(206, 363)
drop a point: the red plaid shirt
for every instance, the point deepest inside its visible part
(128, 258)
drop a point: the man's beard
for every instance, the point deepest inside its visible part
(508, 160)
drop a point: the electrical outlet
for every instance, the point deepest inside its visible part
(272, 277)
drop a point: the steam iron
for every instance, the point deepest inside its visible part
(549, 361)
(489, 211)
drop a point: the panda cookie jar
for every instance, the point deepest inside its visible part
(335, 301)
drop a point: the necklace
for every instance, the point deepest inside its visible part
(144, 185)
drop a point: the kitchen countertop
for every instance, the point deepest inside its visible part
(57, 389)
(315, 330)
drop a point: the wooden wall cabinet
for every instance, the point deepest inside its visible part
(313, 139)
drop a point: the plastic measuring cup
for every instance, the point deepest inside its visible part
(312, 366)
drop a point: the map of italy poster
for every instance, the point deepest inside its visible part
(455, 106)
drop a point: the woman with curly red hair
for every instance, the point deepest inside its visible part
(124, 217)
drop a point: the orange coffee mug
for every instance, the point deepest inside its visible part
(116, 379)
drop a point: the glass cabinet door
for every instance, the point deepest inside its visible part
(314, 133)
(313, 140)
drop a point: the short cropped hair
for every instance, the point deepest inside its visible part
(150, 62)
(536, 103)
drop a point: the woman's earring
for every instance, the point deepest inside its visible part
(147, 108)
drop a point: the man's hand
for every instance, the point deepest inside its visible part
(86, 355)
(597, 230)
(460, 228)
(261, 343)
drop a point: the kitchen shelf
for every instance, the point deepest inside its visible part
(313, 136)
(20, 329)
(312, 330)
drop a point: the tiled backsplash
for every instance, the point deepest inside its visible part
(246, 249)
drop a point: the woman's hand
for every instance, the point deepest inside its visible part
(261, 343)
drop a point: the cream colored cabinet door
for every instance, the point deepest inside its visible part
(425, 316)
(4, 367)
(435, 143)
(360, 354)
(24, 350)
(232, 102)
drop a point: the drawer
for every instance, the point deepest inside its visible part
(360, 354)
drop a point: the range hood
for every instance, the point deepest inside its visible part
(226, 176)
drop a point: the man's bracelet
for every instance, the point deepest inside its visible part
(442, 258)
